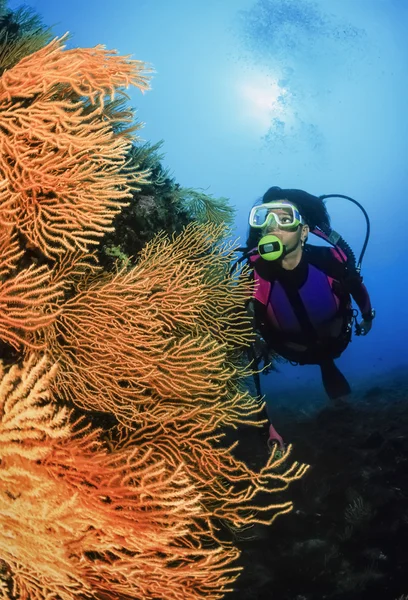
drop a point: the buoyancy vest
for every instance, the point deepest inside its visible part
(309, 305)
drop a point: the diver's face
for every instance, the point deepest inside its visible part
(289, 237)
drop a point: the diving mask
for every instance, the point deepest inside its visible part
(283, 214)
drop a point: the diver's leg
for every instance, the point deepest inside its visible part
(334, 382)
(275, 438)
(273, 435)
(254, 387)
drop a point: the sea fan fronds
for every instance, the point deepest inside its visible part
(160, 332)
(24, 298)
(78, 521)
(28, 421)
(150, 345)
(91, 72)
(155, 345)
(10, 250)
(65, 166)
(230, 489)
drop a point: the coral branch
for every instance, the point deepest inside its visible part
(157, 334)
(23, 300)
(147, 345)
(10, 250)
(91, 72)
(77, 521)
(63, 164)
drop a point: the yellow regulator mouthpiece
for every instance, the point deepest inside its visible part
(270, 247)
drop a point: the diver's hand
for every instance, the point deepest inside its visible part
(262, 352)
(364, 327)
(260, 347)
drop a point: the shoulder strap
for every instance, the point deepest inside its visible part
(332, 263)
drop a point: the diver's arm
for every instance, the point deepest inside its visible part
(353, 283)
(361, 297)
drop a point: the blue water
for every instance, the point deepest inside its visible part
(250, 94)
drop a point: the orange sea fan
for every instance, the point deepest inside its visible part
(76, 270)
(90, 72)
(121, 368)
(209, 254)
(136, 345)
(230, 489)
(24, 298)
(133, 340)
(7, 205)
(28, 425)
(63, 165)
(77, 521)
(10, 250)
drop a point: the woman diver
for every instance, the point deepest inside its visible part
(301, 306)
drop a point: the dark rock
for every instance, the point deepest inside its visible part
(374, 440)
(374, 392)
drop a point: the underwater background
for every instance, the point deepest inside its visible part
(294, 93)
(310, 95)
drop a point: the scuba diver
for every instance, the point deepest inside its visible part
(301, 307)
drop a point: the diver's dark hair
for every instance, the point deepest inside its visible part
(312, 209)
